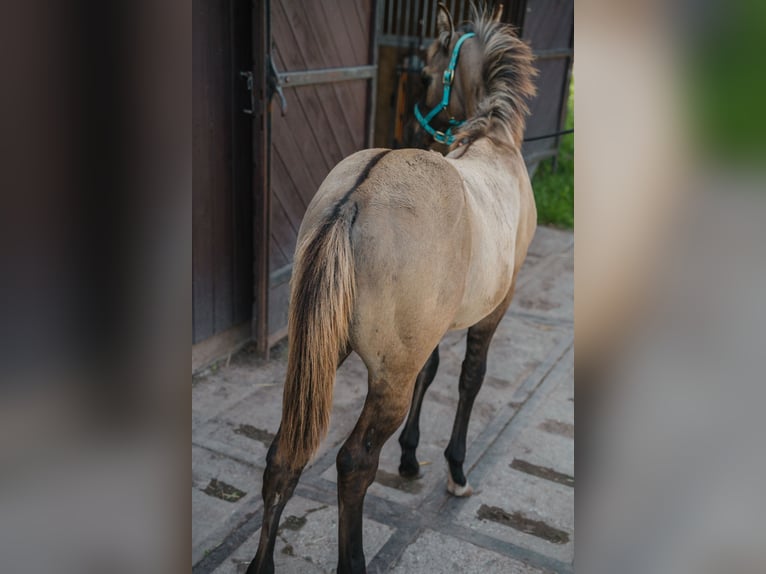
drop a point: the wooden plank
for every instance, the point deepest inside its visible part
(548, 23)
(297, 146)
(285, 41)
(363, 9)
(384, 114)
(220, 165)
(548, 28)
(202, 258)
(318, 130)
(376, 23)
(317, 123)
(515, 14)
(242, 204)
(337, 119)
(276, 255)
(261, 51)
(281, 275)
(311, 55)
(342, 47)
(342, 104)
(296, 123)
(354, 43)
(300, 144)
(305, 174)
(222, 206)
(544, 118)
(281, 230)
(277, 336)
(279, 298)
(219, 346)
(343, 19)
(290, 199)
(359, 91)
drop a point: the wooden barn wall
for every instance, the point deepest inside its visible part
(323, 124)
(548, 25)
(222, 283)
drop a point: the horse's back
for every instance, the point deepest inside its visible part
(341, 180)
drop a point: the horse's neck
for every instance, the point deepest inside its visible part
(485, 160)
(496, 182)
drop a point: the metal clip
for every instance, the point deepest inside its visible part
(449, 75)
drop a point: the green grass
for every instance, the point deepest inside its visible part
(554, 190)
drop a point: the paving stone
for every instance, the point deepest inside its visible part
(535, 498)
(546, 450)
(559, 404)
(550, 241)
(261, 410)
(548, 438)
(213, 518)
(532, 497)
(518, 347)
(307, 540)
(224, 387)
(436, 553)
(550, 291)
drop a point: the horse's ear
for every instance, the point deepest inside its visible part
(444, 26)
(497, 13)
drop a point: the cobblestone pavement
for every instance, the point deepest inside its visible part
(520, 455)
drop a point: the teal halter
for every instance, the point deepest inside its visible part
(445, 137)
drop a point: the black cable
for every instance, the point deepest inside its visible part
(561, 133)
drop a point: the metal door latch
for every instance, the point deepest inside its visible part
(249, 78)
(274, 87)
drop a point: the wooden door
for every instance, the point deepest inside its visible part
(323, 52)
(222, 252)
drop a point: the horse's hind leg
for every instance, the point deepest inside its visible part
(357, 462)
(279, 481)
(471, 377)
(409, 466)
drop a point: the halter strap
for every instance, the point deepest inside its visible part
(445, 137)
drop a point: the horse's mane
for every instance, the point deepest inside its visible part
(507, 73)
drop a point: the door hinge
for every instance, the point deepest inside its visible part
(275, 86)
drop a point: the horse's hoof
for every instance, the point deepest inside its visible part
(409, 471)
(409, 467)
(456, 490)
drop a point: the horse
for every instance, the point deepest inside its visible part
(396, 248)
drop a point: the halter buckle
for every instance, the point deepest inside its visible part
(449, 75)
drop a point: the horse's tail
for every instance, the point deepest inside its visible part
(321, 303)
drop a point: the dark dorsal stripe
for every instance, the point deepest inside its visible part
(335, 214)
(359, 181)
